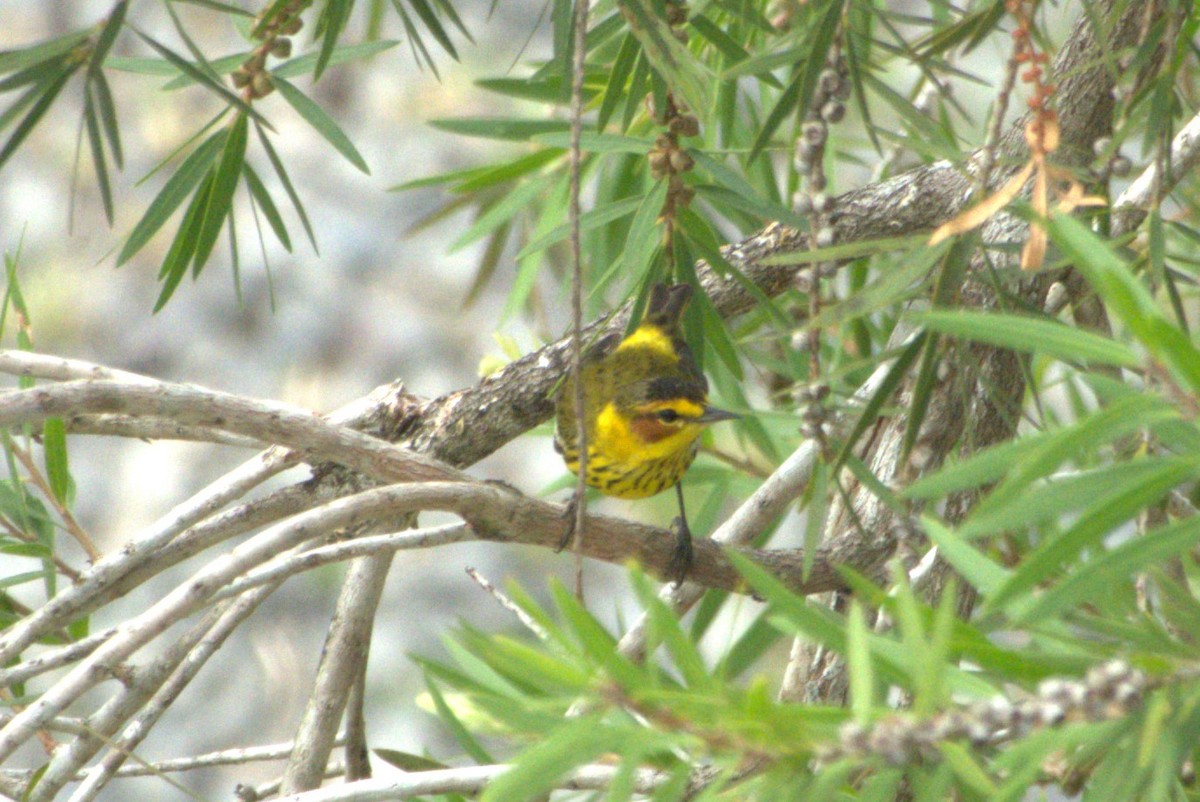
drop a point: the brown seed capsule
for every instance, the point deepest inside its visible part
(681, 162)
(281, 47)
(240, 78)
(684, 125)
(262, 85)
(833, 111)
(292, 26)
(829, 81)
(658, 161)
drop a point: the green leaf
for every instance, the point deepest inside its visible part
(45, 92)
(13, 60)
(504, 210)
(302, 65)
(799, 92)
(329, 26)
(183, 247)
(461, 734)
(516, 130)
(1036, 335)
(263, 198)
(969, 773)
(614, 89)
(728, 46)
(96, 146)
(407, 761)
(1022, 461)
(592, 142)
(644, 235)
(1107, 571)
(1127, 298)
(108, 117)
(858, 664)
(871, 411)
(1122, 491)
(194, 167)
(220, 197)
(54, 446)
(108, 35)
(662, 625)
(322, 122)
(427, 15)
(416, 43)
(974, 566)
(281, 172)
(588, 221)
(203, 78)
(671, 59)
(539, 88)
(540, 768)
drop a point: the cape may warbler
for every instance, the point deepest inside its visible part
(645, 404)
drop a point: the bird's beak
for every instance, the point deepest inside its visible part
(713, 415)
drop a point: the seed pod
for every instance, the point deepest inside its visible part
(681, 162)
(262, 85)
(684, 125)
(833, 111)
(658, 161)
(281, 47)
(828, 81)
(814, 133)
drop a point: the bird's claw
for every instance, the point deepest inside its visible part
(569, 515)
(683, 555)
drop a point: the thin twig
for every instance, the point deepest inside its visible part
(64, 513)
(576, 158)
(165, 679)
(469, 780)
(508, 604)
(343, 658)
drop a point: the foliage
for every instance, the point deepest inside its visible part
(1071, 537)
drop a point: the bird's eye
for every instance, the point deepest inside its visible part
(668, 415)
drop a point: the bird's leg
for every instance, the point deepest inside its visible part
(682, 556)
(569, 515)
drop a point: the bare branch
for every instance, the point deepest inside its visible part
(469, 780)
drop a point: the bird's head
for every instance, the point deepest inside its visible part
(668, 413)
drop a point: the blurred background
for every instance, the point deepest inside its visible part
(315, 330)
(380, 301)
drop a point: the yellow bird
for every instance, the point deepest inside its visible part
(645, 404)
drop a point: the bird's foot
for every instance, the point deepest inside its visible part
(569, 516)
(683, 555)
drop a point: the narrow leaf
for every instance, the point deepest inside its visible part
(194, 167)
(54, 445)
(322, 122)
(220, 197)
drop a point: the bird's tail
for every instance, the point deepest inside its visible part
(666, 305)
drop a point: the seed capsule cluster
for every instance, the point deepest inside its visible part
(667, 158)
(1107, 691)
(253, 77)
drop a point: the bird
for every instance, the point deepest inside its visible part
(645, 403)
